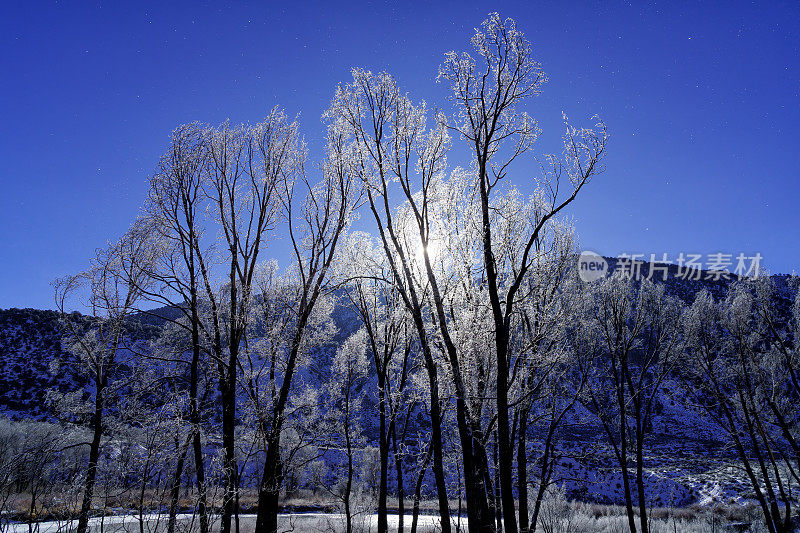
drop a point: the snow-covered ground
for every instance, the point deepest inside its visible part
(299, 522)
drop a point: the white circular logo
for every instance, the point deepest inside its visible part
(591, 266)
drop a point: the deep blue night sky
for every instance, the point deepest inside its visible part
(702, 103)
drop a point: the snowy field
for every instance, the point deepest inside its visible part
(300, 523)
(577, 520)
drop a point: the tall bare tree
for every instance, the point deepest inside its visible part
(176, 206)
(110, 290)
(315, 224)
(631, 334)
(386, 131)
(543, 382)
(375, 300)
(244, 178)
(487, 90)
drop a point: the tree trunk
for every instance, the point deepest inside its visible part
(94, 456)
(349, 487)
(522, 471)
(228, 396)
(476, 466)
(175, 489)
(383, 525)
(436, 427)
(479, 516)
(640, 482)
(498, 509)
(269, 491)
(626, 482)
(505, 453)
(418, 489)
(194, 419)
(544, 477)
(401, 505)
(537, 506)
(199, 467)
(501, 336)
(398, 466)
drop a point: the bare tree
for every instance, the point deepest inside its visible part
(243, 181)
(386, 131)
(373, 297)
(111, 289)
(395, 147)
(176, 205)
(315, 226)
(31, 455)
(741, 370)
(776, 325)
(486, 92)
(344, 399)
(631, 335)
(545, 383)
